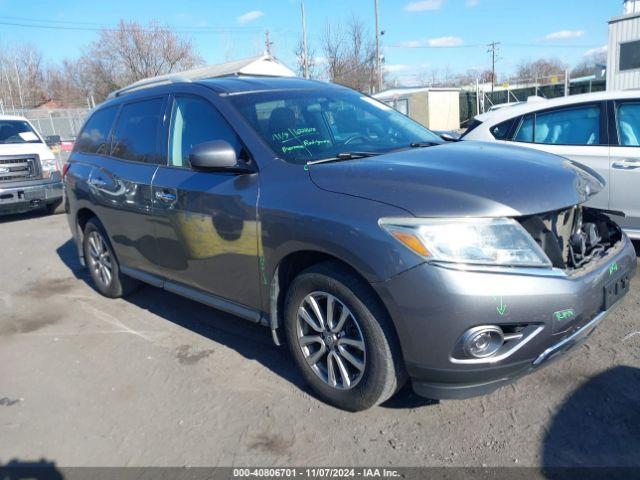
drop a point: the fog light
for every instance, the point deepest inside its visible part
(482, 342)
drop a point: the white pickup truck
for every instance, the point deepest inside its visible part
(30, 176)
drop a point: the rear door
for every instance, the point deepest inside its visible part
(121, 186)
(625, 164)
(205, 222)
(576, 132)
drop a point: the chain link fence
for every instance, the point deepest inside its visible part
(65, 122)
(469, 100)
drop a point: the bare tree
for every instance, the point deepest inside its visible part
(312, 64)
(540, 69)
(590, 65)
(133, 52)
(67, 84)
(350, 55)
(21, 77)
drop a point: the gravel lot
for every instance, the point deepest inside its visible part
(156, 379)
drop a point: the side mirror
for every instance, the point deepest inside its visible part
(217, 155)
(52, 140)
(449, 136)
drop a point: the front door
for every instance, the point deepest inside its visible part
(206, 225)
(625, 166)
(578, 132)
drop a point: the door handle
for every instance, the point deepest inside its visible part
(166, 197)
(626, 164)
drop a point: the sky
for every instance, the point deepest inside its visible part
(419, 34)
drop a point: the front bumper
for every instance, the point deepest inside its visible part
(432, 306)
(28, 195)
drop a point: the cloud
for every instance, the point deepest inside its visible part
(395, 68)
(445, 42)
(472, 3)
(595, 51)
(423, 5)
(565, 34)
(250, 16)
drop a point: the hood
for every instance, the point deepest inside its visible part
(464, 179)
(40, 149)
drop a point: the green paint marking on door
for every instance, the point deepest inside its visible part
(613, 268)
(502, 308)
(564, 314)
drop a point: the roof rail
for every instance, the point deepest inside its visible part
(148, 83)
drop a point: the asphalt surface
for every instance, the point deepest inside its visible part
(156, 379)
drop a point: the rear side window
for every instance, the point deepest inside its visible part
(95, 134)
(628, 120)
(195, 121)
(137, 131)
(568, 126)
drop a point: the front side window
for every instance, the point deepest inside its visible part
(569, 126)
(525, 130)
(308, 125)
(17, 131)
(195, 121)
(137, 130)
(95, 134)
(628, 119)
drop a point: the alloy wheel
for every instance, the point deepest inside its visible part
(331, 340)
(100, 258)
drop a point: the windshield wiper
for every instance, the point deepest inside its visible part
(344, 156)
(423, 144)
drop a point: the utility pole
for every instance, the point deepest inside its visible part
(305, 52)
(267, 42)
(378, 59)
(493, 50)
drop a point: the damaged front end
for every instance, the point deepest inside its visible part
(573, 237)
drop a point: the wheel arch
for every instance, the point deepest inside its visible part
(82, 216)
(289, 267)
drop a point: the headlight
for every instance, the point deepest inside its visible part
(49, 165)
(482, 241)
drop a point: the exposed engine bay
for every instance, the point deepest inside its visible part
(573, 237)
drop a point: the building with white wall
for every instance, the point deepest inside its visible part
(623, 63)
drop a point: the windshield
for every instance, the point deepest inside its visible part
(302, 126)
(17, 131)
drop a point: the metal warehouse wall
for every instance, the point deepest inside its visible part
(622, 29)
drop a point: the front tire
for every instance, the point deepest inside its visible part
(341, 338)
(102, 263)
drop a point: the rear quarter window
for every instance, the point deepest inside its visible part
(94, 137)
(501, 130)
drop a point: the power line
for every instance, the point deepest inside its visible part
(478, 45)
(210, 30)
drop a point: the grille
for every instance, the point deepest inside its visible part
(16, 169)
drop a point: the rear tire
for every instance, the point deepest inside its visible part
(365, 354)
(102, 263)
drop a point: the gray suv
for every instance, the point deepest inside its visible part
(373, 250)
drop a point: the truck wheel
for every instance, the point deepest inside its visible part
(341, 338)
(102, 263)
(55, 207)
